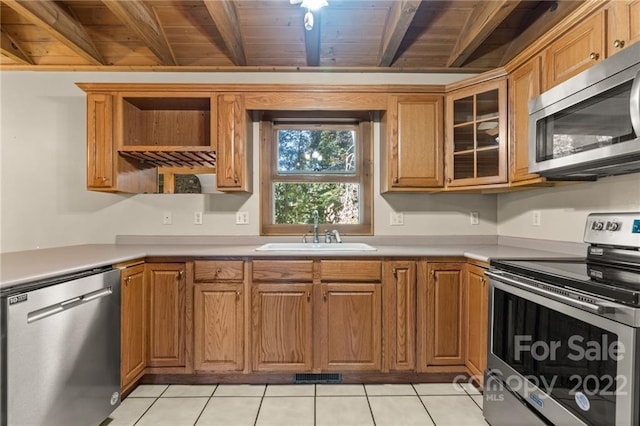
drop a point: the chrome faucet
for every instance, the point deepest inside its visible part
(336, 234)
(316, 239)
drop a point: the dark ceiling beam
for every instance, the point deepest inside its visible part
(142, 20)
(483, 20)
(312, 41)
(50, 16)
(224, 15)
(401, 15)
(11, 49)
(549, 13)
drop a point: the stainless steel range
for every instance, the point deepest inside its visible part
(563, 342)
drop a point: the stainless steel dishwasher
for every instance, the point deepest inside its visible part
(61, 350)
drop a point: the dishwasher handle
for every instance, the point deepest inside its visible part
(56, 308)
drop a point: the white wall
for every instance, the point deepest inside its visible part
(44, 202)
(564, 209)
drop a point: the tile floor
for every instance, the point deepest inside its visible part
(299, 405)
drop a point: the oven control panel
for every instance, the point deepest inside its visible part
(613, 229)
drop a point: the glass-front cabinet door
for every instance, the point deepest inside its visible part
(476, 134)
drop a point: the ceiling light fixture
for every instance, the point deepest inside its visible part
(310, 5)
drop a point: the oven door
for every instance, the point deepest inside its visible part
(573, 366)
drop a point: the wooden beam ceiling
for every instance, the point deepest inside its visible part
(550, 14)
(143, 21)
(11, 49)
(400, 17)
(224, 15)
(312, 41)
(483, 20)
(50, 16)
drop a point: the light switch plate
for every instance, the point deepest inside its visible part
(396, 219)
(242, 218)
(166, 218)
(197, 218)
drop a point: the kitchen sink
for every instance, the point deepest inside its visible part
(316, 247)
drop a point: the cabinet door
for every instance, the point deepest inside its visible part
(219, 327)
(477, 134)
(414, 151)
(351, 327)
(167, 311)
(575, 51)
(100, 172)
(524, 84)
(400, 313)
(476, 322)
(232, 132)
(133, 350)
(282, 318)
(444, 315)
(623, 25)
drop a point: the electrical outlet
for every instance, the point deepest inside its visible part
(475, 218)
(242, 218)
(536, 218)
(166, 218)
(197, 218)
(396, 219)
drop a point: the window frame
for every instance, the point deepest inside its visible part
(269, 175)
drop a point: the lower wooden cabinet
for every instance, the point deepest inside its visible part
(167, 314)
(282, 317)
(400, 314)
(441, 318)
(351, 327)
(133, 348)
(218, 327)
(476, 321)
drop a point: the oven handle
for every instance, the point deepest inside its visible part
(590, 307)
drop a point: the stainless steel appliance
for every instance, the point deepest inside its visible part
(564, 345)
(60, 359)
(589, 126)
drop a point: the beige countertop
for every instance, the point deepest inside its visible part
(32, 265)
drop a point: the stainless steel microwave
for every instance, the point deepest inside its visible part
(589, 126)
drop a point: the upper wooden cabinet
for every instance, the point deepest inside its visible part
(138, 138)
(577, 50)
(233, 132)
(623, 25)
(100, 173)
(412, 156)
(524, 84)
(476, 142)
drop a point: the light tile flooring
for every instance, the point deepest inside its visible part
(299, 405)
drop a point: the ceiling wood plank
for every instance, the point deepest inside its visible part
(49, 15)
(142, 20)
(552, 13)
(483, 20)
(11, 49)
(401, 15)
(312, 41)
(224, 15)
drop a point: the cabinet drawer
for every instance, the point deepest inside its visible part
(218, 270)
(351, 270)
(283, 270)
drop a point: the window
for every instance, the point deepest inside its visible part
(316, 165)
